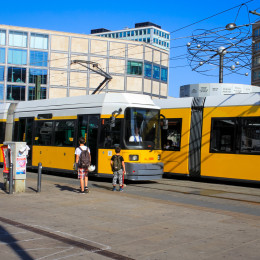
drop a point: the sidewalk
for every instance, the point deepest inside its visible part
(113, 225)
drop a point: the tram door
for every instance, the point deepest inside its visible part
(88, 128)
(25, 134)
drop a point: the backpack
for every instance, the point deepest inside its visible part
(84, 159)
(117, 163)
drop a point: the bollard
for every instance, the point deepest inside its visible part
(39, 177)
(11, 179)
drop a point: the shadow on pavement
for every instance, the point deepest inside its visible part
(66, 188)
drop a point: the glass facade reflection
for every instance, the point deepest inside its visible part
(18, 39)
(2, 55)
(1, 91)
(17, 57)
(31, 93)
(39, 41)
(33, 73)
(38, 58)
(15, 92)
(156, 72)
(148, 70)
(2, 73)
(2, 37)
(16, 74)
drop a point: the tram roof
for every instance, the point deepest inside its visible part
(174, 102)
(252, 99)
(106, 103)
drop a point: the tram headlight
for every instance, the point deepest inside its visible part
(133, 157)
(159, 157)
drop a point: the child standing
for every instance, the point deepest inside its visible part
(82, 172)
(118, 167)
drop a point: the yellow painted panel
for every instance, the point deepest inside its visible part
(109, 115)
(1, 154)
(57, 118)
(235, 166)
(145, 156)
(54, 157)
(177, 161)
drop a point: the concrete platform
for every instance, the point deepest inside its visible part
(61, 223)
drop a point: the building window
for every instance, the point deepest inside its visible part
(148, 70)
(33, 73)
(140, 32)
(132, 33)
(120, 35)
(16, 74)
(256, 61)
(31, 93)
(164, 74)
(15, 92)
(134, 68)
(39, 41)
(124, 34)
(156, 72)
(2, 73)
(18, 39)
(1, 91)
(2, 37)
(256, 32)
(17, 57)
(2, 55)
(38, 58)
(256, 75)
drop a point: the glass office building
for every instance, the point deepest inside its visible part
(143, 32)
(27, 54)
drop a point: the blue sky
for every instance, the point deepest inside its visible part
(82, 16)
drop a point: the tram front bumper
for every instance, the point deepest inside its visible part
(144, 171)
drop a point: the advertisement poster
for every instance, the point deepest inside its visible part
(20, 165)
(6, 158)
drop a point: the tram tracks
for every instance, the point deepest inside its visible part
(206, 192)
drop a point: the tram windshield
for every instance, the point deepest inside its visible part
(142, 128)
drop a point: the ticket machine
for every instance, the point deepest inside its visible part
(15, 153)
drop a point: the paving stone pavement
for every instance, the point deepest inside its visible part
(60, 223)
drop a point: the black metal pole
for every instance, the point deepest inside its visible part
(39, 177)
(221, 58)
(11, 178)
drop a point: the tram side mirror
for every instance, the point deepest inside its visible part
(165, 124)
(112, 121)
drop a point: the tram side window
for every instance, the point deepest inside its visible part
(2, 132)
(64, 133)
(223, 135)
(110, 136)
(43, 133)
(250, 135)
(171, 138)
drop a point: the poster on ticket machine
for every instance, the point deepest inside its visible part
(6, 158)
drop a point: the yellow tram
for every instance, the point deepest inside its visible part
(216, 136)
(52, 127)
